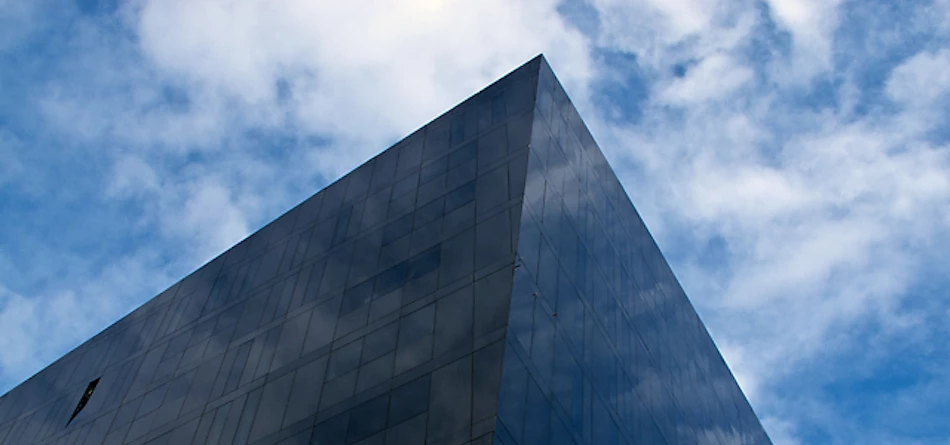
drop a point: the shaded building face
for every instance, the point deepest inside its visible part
(486, 280)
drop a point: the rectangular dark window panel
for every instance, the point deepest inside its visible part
(409, 400)
(424, 263)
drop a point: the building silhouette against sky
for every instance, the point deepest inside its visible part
(486, 280)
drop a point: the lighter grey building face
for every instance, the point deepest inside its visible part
(486, 280)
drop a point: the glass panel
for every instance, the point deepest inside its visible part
(322, 325)
(337, 390)
(511, 401)
(453, 322)
(375, 372)
(409, 432)
(491, 189)
(492, 146)
(450, 399)
(487, 379)
(413, 353)
(380, 342)
(492, 302)
(466, 153)
(493, 241)
(458, 257)
(344, 359)
(409, 400)
(417, 324)
(538, 416)
(292, 337)
(460, 175)
(368, 418)
(331, 431)
(460, 196)
(307, 386)
(272, 406)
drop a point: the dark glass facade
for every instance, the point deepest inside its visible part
(603, 345)
(484, 281)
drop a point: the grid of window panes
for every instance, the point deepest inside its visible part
(604, 347)
(374, 312)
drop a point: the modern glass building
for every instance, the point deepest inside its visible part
(486, 280)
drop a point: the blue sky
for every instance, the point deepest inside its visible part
(792, 157)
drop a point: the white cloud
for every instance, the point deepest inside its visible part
(419, 57)
(735, 357)
(812, 24)
(664, 35)
(940, 14)
(782, 432)
(26, 327)
(653, 28)
(714, 78)
(922, 80)
(816, 228)
(211, 216)
(749, 194)
(132, 176)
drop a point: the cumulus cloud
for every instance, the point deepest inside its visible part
(24, 318)
(131, 176)
(210, 210)
(286, 63)
(713, 78)
(811, 24)
(922, 80)
(816, 223)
